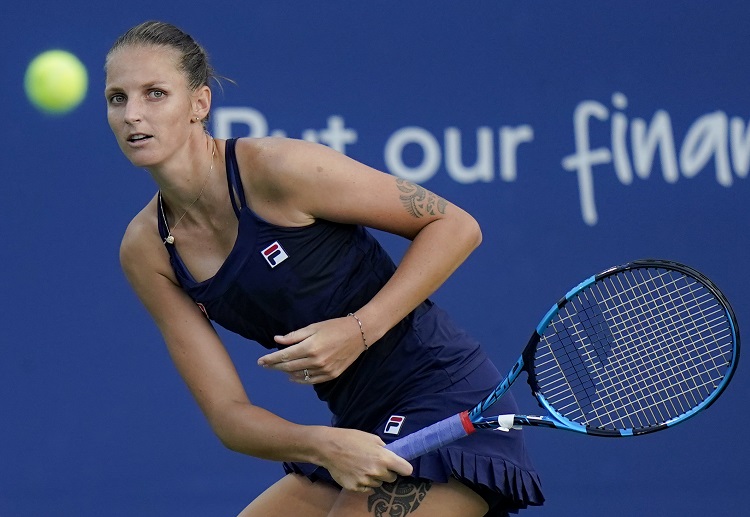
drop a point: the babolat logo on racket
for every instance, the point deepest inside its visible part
(274, 254)
(393, 426)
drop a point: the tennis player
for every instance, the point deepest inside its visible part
(266, 237)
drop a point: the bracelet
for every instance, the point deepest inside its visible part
(361, 330)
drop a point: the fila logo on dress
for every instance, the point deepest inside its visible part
(274, 254)
(393, 426)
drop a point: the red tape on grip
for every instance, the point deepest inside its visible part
(466, 422)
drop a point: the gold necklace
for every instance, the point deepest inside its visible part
(170, 238)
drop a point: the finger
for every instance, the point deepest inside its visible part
(301, 376)
(291, 367)
(360, 489)
(390, 477)
(399, 465)
(274, 358)
(364, 488)
(283, 356)
(311, 378)
(294, 337)
(282, 363)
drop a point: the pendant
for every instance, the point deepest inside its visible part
(169, 239)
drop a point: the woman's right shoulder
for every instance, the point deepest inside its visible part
(141, 244)
(141, 226)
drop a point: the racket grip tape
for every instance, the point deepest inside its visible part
(432, 437)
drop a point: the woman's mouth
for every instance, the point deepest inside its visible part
(138, 138)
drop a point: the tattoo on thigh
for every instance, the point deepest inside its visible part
(418, 200)
(399, 498)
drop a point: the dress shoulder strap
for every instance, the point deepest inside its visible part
(236, 192)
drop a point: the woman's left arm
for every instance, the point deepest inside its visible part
(319, 182)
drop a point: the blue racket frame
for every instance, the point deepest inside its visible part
(465, 423)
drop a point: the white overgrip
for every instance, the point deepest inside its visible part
(505, 422)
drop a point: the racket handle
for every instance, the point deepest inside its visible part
(430, 438)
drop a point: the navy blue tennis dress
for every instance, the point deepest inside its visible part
(278, 279)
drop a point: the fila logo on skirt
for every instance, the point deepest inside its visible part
(274, 254)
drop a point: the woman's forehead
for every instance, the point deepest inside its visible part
(155, 62)
(161, 55)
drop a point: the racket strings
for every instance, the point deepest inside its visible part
(676, 363)
(683, 327)
(636, 374)
(668, 360)
(634, 350)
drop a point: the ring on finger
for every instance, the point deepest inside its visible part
(307, 374)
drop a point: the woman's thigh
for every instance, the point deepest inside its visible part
(293, 495)
(410, 497)
(407, 497)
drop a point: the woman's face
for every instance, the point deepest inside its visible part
(149, 106)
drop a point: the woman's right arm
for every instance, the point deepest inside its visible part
(354, 458)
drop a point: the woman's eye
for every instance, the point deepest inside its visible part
(117, 99)
(157, 94)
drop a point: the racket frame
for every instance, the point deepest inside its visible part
(558, 421)
(467, 422)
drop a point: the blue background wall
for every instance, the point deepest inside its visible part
(94, 419)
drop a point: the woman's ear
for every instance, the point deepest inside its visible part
(201, 102)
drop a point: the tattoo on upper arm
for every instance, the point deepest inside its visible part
(399, 498)
(419, 201)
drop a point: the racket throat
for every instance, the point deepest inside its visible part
(506, 423)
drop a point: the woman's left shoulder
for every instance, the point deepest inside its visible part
(277, 156)
(270, 147)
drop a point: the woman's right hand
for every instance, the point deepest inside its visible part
(359, 461)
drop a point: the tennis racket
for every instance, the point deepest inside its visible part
(634, 349)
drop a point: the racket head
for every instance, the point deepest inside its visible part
(635, 349)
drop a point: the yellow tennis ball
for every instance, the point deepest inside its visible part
(56, 81)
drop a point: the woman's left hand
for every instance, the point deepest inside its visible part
(317, 353)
